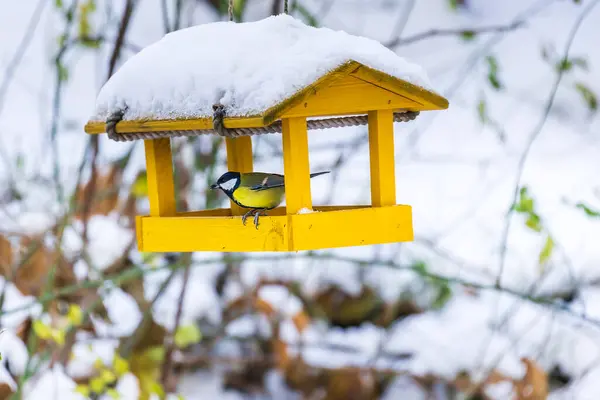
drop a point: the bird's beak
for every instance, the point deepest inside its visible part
(214, 186)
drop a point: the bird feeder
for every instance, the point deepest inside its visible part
(361, 83)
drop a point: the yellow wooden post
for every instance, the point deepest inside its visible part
(239, 158)
(295, 164)
(381, 152)
(159, 167)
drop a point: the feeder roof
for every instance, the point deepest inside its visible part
(250, 68)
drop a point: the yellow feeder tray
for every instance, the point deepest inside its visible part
(351, 89)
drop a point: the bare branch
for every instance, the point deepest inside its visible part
(435, 33)
(535, 134)
(21, 49)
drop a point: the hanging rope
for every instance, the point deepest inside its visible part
(230, 10)
(285, 7)
(219, 127)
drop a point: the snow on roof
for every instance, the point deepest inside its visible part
(249, 67)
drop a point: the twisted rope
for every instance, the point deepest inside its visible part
(219, 128)
(285, 7)
(230, 10)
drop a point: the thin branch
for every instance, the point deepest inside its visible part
(534, 135)
(95, 143)
(178, 9)
(168, 364)
(402, 20)
(165, 16)
(21, 49)
(138, 334)
(435, 33)
(276, 7)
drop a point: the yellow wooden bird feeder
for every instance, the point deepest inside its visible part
(352, 92)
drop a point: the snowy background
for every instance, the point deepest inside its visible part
(497, 297)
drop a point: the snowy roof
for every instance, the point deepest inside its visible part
(248, 67)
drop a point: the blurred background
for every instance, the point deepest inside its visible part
(498, 297)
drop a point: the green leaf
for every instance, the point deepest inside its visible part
(157, 389)
(493, 72)
(238, 9)
(534, 223)
(120, 365)
(444, 294)
(588, 96)
(588, 211)
(580, 62)
(187, 335)
(58, 3)
(468, 35)
(91, 43)
(308, 16)
(62, 39)
(492, 64)
(83, 390)
(482, 111)
(420, 267)
(493, 80)
(565, 64)
(97, 385)
(75, 315)
(140, 186)
(546, 252)
(42, 330)
(63, 72)
(20, 161)
(113, 394)
(453, 4)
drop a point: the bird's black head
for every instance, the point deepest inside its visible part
(228, 182)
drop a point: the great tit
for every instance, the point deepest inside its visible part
(258, 191)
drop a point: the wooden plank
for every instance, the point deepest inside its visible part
(159, 168)
(222, 234)
(239, 158)
(296, 165)
(96, 127)
(352, 227)
(339, 226)
(381, 153)
(349, 95)
(226, 212)
(426, 99)
(418, 99)
(274, 113)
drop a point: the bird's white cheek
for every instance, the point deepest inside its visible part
(228, 185)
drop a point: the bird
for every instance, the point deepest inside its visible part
(258, 191)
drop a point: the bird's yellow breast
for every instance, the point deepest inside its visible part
(269, 198)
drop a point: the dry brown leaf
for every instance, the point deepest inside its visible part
(153, 335)
(31, 276)
(351, 384)
(301, 321)
(345, 310)
(5, 391)
(393, 312)
(534, 385)
(6, 257)
(136, 289)
(106, 193)
(303, 377)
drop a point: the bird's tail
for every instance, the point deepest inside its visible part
(319, 173)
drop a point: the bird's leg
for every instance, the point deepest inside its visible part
(247, 214)
(259, 213)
